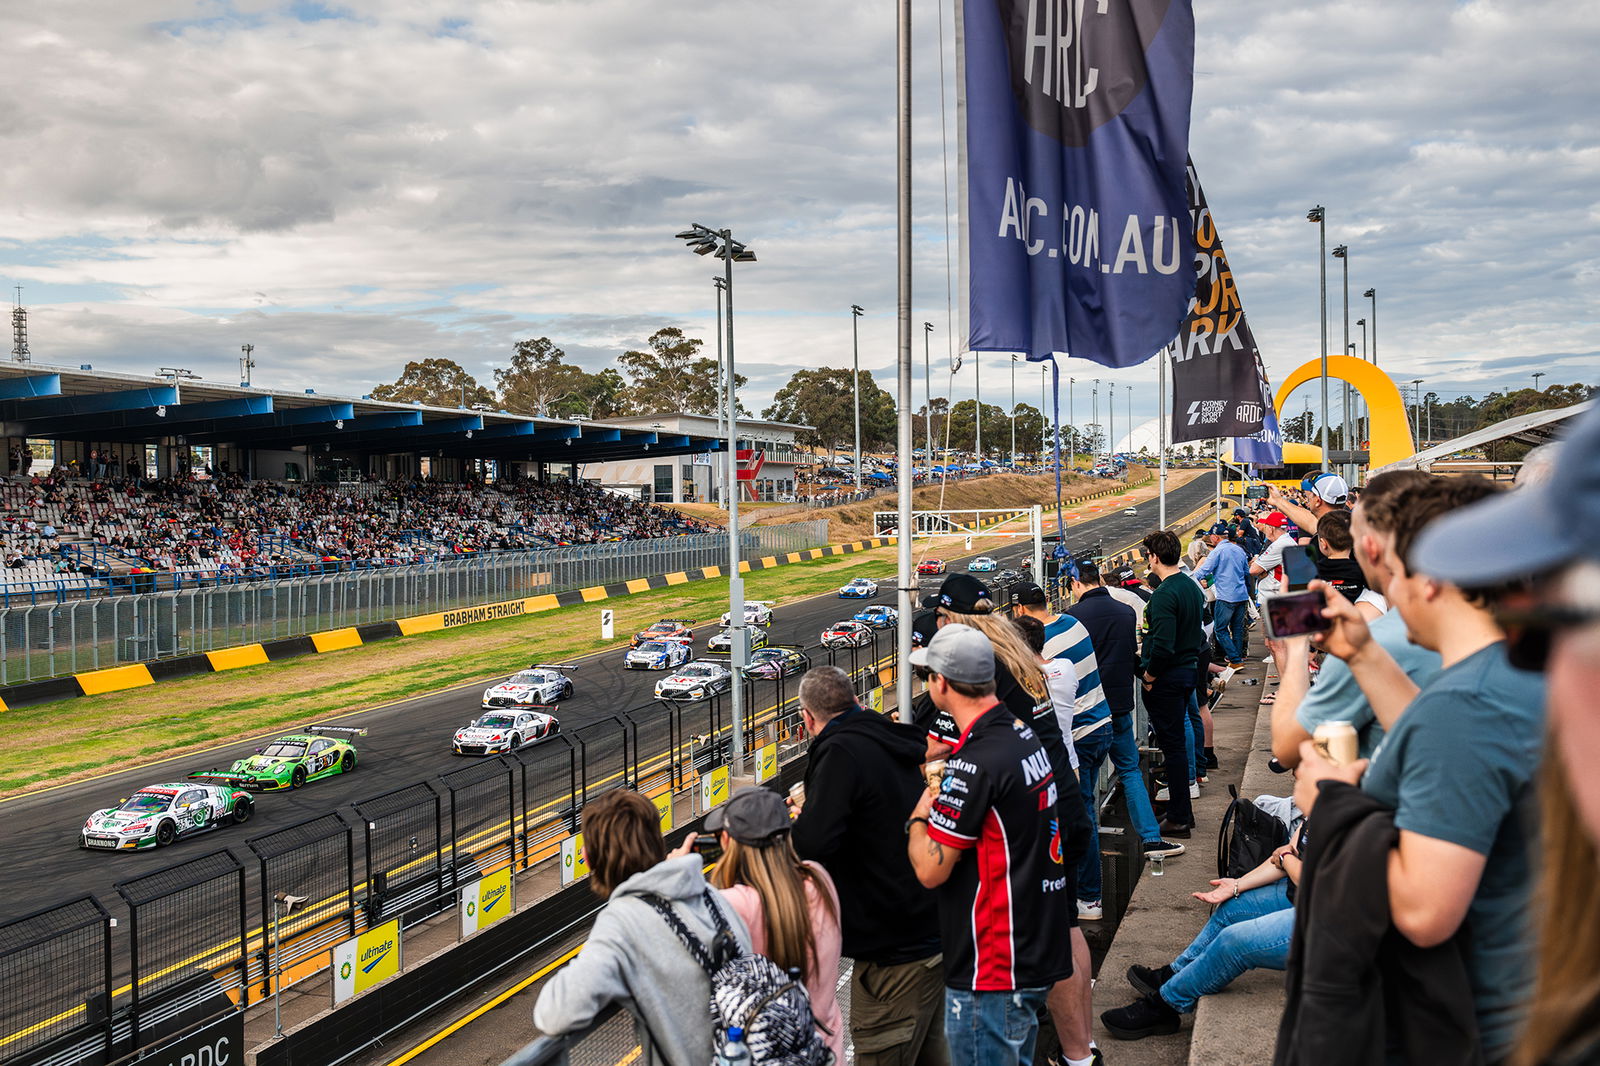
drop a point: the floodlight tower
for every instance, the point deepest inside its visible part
(19, 330)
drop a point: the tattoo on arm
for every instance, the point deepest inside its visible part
(936, 851)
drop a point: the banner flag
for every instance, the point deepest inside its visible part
(1263, 449)
(1074, 128)
(1216, 370)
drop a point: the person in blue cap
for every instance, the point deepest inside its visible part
(1228, 567)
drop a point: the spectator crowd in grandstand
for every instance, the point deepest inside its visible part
(225, 525)
(1400, 894)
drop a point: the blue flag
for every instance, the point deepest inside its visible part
(1075, 131)
(1264, 448)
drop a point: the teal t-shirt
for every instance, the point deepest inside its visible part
(1460, 766)
(1336, 697)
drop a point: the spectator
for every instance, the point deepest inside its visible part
(862, 773)
(1267, 567)
(790, 907)
(1334, 565)
(1227, 566)
(1555, 628)
(1299, 706)
(1321, 493)
(632, 956)
(1005, 913)
(1167, 670)
(1455, 768)
(1251, 929)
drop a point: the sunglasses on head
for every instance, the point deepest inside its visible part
(1530, 631)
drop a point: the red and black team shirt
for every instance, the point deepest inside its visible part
(1003, 913)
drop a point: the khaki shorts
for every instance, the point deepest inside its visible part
(897, 1013)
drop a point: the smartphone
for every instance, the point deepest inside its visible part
(1298, 569)
(706, 842)
(1294, 614)
(1255, 492)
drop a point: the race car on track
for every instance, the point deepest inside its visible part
(846, 635)
(504, 731)
(290, 761)
(982, 564)
(696, 681)
(1131, 510)
(156, 815)
(756, 613)
(859, 588)
(777, 660)
(666, 629)
(723, 641)
(533, 687)
(878, 617)
(931, 566)
(657, 655)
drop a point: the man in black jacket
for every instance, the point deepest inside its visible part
(863, 776)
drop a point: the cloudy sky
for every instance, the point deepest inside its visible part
(348, 186)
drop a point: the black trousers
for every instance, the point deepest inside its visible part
(1167, 702)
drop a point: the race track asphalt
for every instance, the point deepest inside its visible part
(408, 742)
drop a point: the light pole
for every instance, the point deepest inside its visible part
(1045, 415)
(1130, 416)
(927, 388)
(246, 365)
(1363, 324)
(1111, 423)
(1342, 253)
(855, 381)
(1372, 294)
(722, 427)
(1319, 216)
(1094, 418)
(1416, 406)
(1013, 412)
(1537, 374)
(703, 240)
(1072, 422)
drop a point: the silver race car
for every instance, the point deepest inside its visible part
(657, 655)
(756, 613)
(156, 815)
(504, 731)
(697, 681)
(533, 687)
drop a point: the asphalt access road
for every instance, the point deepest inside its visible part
(409, 741)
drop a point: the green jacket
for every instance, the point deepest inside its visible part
(1175, 633)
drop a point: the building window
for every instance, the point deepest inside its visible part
(663, 485)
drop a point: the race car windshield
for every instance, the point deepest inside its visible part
(145, 803)
(284, 751)
(528, 677)
(495, 721)
(654, 647)
(697, 671)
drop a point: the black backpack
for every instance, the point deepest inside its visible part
(749, 991)
(1248, 837)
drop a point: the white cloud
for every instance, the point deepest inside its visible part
(415, 178)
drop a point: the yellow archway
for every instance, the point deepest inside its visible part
(1390, 439)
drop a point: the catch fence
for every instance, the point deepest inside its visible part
(64, 633)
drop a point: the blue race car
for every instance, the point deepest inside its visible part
(859, 588)
(982, 564)
(657, 655)
(879, 617)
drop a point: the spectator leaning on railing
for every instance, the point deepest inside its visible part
(1167, 668)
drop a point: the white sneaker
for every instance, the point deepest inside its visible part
(1090, 912)
(1163, 796)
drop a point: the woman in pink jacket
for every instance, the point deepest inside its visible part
(789, 906)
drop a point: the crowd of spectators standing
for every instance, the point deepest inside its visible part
(224, 525)
(945, 856)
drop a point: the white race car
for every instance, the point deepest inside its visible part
(755, 614)
(504, 731)
(534, 687)
(697, 681)
(723, 641)
(848, 634)
(859, 588)
(657, 655)
(156, 815)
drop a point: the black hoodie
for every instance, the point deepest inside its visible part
(862, 781)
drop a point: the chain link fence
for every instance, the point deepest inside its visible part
(50, 640)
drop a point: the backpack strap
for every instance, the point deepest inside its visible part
(689, 940)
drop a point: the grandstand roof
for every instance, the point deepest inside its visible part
(57, 403)
(1539, 427)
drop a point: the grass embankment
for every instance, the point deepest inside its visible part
(62, 741)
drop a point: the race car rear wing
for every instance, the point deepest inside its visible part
(560, 668)
(220, 777)
(320, 729)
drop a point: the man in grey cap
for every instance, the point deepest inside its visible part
(1003, 913)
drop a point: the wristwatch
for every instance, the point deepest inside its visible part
(911, 821)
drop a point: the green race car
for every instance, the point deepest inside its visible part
(290, 761)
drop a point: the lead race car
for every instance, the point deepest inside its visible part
(756, 613)
(499, 732)
(859, 588)
(540, 684)
(290, 761)
(156, 815)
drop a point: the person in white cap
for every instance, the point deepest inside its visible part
(1323, 492)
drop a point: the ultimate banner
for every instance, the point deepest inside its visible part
(1074, 130)
(1216, 380)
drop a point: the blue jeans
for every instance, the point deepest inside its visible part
(1125, 757)
(1230, 618)
(1194, 735)
(992, 1028)
(1092, 751)
(1249, 933)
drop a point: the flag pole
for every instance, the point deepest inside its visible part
(907, 582)
(1161, 435)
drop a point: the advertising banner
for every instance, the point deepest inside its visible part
(485, 901)
(573, 865)
(1074, 133)
(364, 960)
(714, 788)
(663, 804)
(766, 762)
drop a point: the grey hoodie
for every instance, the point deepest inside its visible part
(632, 956)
